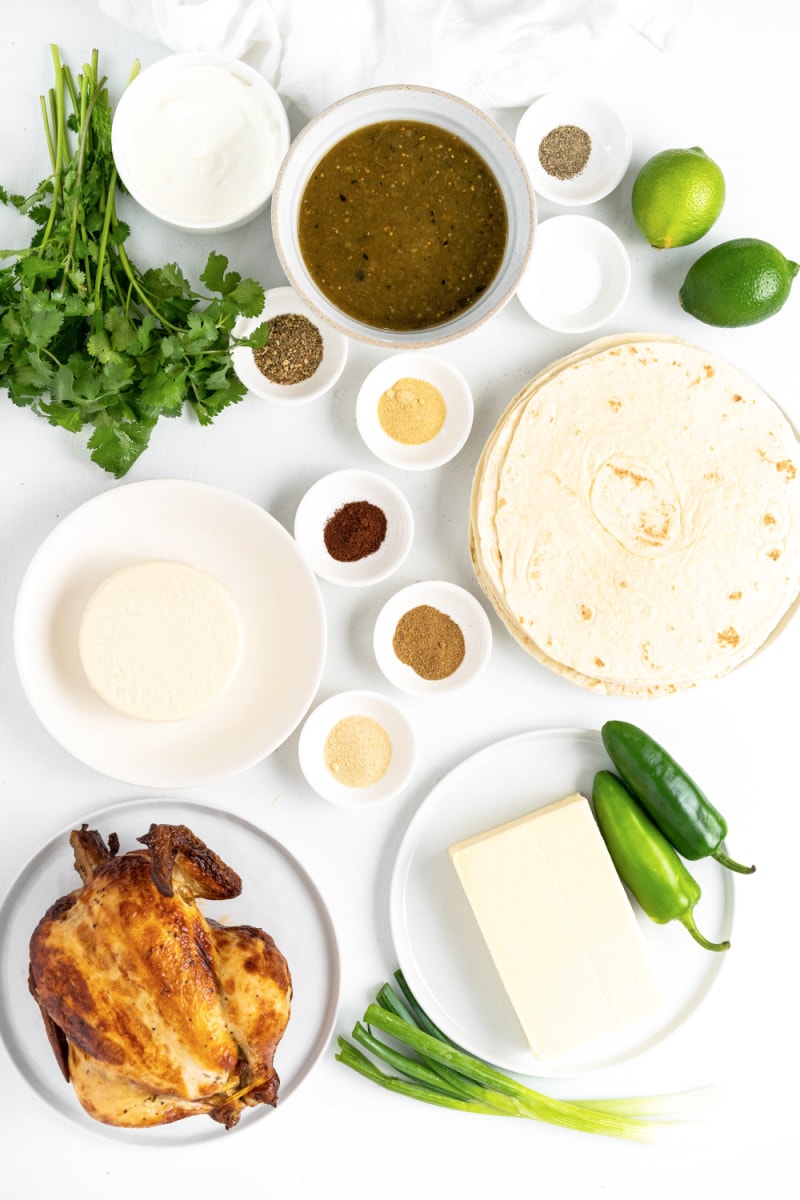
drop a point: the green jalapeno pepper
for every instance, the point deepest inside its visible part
(682, 812)
(644, 859)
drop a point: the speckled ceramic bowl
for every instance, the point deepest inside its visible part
(404, 102)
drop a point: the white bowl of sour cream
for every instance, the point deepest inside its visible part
(198, 139)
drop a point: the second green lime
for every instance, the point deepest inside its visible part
(677, 197)
(740, 282)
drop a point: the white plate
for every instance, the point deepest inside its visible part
(277, 895)
(219, 532)
(438, 944)
(334, 352)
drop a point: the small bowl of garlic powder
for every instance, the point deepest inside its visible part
(357, 749)
(414, 411)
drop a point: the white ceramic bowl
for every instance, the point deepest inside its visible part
(311, 748)
(458, 420)
(611, 145)
(405, 102)
(334, 352)
(199, 138)
(328, 495)
(578, 276)
(456, 603)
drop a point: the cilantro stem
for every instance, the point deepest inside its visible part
(84, 136)
(47, 132)
(57, 104)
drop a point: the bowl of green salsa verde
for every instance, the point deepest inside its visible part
(403, 216)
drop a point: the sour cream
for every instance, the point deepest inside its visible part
(200, 144)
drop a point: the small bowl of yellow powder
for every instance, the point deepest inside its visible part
(432, 637)
(414, 411)
(357, 749)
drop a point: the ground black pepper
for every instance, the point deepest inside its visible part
(293, 350)
(355, 530)
(564, 151)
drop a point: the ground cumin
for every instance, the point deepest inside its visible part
(429, 641)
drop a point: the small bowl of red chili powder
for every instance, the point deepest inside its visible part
(354, 527)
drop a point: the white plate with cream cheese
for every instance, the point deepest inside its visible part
(437, 940)
(278, 604)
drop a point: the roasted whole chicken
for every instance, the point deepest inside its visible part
(155, 1012)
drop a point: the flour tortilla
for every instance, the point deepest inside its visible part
(635, 516)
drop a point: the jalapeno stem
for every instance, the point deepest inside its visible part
(730, 864)
(688, 920)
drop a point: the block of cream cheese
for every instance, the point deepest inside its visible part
(558, 925)
(160, 641)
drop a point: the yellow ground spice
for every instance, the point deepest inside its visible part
(358, 751)
(412, 411)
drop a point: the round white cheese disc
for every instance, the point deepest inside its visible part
(160, 641)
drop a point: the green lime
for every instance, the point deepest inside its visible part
(740, 282)
(677, 197)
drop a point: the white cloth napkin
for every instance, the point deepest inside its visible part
(494, 53)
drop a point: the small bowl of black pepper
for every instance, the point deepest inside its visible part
(354, 527)
(432, 637)
(576, 147)
(302, 358)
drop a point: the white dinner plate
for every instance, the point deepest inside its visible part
(217, 531)
(441, 951)
(277, 895)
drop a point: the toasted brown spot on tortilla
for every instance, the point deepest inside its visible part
(768, 519)
(615, 404)
(728, 637)
(788, 467)
(709, 370)
(774, 554)
(598, 662)
(627, 473)
(737, 399)
(734, 595)
(586, 612)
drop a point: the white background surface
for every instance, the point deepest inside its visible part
(728, 85)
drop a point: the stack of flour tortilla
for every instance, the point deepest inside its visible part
(635, 516)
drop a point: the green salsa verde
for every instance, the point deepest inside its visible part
(402, 225)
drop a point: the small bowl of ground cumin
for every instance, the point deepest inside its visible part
(354, 527)
(414, 411)
(432, 637)
(357, 749)
(302, 358)
(576, 147)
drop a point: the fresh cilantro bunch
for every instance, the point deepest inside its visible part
(86, 339)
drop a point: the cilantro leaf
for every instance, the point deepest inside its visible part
(86, 338)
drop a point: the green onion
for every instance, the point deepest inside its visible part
(440, 1073)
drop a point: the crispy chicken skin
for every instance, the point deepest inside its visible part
(155, 1012)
